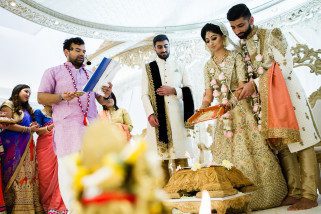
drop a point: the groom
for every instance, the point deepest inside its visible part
(270, 67)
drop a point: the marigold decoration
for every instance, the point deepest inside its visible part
(114, 176)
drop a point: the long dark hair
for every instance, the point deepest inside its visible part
(17, 104)
(112, 96)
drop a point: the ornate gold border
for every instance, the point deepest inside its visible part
(19, 165)
(163, 148)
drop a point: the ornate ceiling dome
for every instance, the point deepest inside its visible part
(135, 20)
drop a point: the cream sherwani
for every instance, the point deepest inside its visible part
(171, 75)
(273, 47)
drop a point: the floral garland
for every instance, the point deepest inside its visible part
(254, 70)
(224, 89)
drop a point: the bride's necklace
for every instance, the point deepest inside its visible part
(220, 60)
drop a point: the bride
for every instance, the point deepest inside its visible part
(237, 136)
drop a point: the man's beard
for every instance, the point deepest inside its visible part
(77, 62)
(246, 33)
(164, 57)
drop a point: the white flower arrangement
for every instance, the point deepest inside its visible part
(227, 164)
(196, 166)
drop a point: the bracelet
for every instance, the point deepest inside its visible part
(26, 129)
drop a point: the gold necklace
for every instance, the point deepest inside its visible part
(219, 61)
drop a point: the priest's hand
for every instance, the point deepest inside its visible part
(153, 121)
(247, 90)
(165, 90)
(68, 96)
(107, 89)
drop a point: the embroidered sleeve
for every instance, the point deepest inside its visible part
(127, 120)
(207, 77)
(240, 68)
(278, 41)
(145, 93)
(15, 116)
(280, 51)
(8, 104)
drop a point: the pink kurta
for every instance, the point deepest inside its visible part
(67, 115)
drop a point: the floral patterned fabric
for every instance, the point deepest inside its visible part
(247, 149)
(19, 170)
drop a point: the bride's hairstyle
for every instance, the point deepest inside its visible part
(209, 27)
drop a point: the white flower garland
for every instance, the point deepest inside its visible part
(226, 118)
(254, 70)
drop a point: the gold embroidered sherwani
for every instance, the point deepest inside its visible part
(273, 47)
(247, 149)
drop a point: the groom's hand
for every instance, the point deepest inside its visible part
(247, 90)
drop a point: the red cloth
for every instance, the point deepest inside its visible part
(48, 174)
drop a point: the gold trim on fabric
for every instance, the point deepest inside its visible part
(163, 149)
(263, 90)
(288, 135)
(10, 182)
(279, 41)
(15, 116)
(261, 33)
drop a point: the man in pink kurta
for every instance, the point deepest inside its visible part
(70, 113)
(67, 115)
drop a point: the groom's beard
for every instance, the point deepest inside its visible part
(243, 35)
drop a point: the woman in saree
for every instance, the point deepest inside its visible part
(237, 136)
(112, 114)
(20, 180)
(51, 199)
